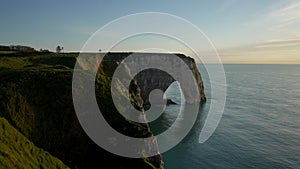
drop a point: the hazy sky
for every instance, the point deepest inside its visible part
(253, 31)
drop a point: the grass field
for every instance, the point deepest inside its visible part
(16, 151)
(7, 52)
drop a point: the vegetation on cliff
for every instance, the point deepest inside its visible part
(36, 98)
(16, 151)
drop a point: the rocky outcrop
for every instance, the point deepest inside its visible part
(169, 101)
(150, 79)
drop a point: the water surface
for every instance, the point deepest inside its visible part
(260, 127)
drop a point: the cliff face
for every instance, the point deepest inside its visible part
(36, 98)
(151, 79)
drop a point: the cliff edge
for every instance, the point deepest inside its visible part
(36, 99)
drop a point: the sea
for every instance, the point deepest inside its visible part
(260, 126)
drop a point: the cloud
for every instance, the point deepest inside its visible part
(278, 56)
(286, 16)
(277, 35)
(284, 19)
(281, 50)
(280, 42)
(276, 45)
(296, 39)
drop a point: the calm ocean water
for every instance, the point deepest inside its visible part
(260, 127)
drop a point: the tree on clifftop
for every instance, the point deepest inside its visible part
(59, 49)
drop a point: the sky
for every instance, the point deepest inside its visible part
(256, 31)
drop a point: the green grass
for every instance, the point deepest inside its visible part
(7, 52)
(13, 62)
(16, 151)
(38, 61)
